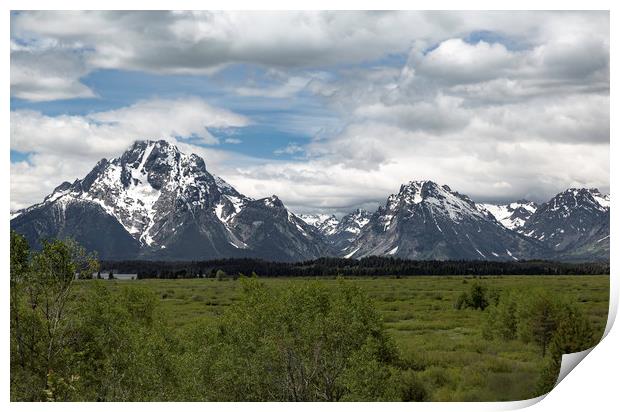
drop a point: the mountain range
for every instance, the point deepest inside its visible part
(155, 202)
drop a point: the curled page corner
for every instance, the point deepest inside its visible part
(526, 403)
(569, 361)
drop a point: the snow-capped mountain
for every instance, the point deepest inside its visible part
(574, 224)
(349, 228)
(326, 224)
(427, 221)
(154, 201)
(339, 234)
(354, 222)
(512, 215)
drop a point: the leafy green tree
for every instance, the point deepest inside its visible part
(463, 301)
(300, 344)
(121, 349)
(502, 317)
(538, 318)
(573, 334)
(41, 316)
(19, 268)
(476, 298)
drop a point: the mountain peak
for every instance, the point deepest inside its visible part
(428, 194)
(580, 198)
(155, 201)
(355, 221)
(412, 192)
(150, 178)
(146, 153)
(428, 221)
(142, 144)
(418, 185)
(416, 191)
(574, 223)
(273, 201)
(358, 212)
(326, 224)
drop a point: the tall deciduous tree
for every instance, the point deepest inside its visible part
(41, 305)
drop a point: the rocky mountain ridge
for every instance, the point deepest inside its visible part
(155, 202)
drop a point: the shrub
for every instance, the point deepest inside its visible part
(412, 388)
(300, 344)
(573, 334)
(463, 301)
(502, 318)
(475, 299)
(537, 314)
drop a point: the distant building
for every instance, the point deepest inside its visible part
(125, 276)
(119, 276)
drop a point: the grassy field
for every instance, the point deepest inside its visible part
(445, 345)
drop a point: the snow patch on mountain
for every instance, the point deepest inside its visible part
(601, 199)
(511, 215)
(326, 224)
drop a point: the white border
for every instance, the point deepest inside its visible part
(593, 383)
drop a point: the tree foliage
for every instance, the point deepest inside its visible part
(98, 340)
(555, 325)
(478, 297)
(41, 314)
(105, 342)
(573, 334)
(368, 266)
(305, 343)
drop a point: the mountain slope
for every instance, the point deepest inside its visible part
(574, 224)
(87, 223)
(166, 205)
(349, 228)
(155, 202)
(339, 233)
(512, 215)
(428, 221)
(326, 224)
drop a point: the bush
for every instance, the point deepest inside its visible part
(300, 344)
(463, 301)
(555, 325)
(412, 388)
(537, 314)
(220, 274)
(573, 334)
(502, 318)
(475, 299)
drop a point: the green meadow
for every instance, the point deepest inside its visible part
(445, 346)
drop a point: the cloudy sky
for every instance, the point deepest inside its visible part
(328, 110)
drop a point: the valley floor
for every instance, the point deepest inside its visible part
(445, 345)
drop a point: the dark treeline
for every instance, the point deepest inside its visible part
(370, 266)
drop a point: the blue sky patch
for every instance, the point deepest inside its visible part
(17, 156)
